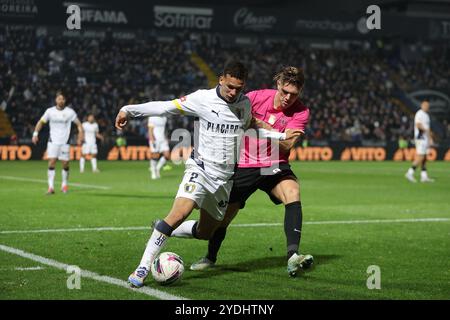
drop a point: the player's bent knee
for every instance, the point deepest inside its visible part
(291, 194)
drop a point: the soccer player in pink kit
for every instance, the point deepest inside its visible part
(266, 167)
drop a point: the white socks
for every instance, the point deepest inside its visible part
(65, 177)
(184, 230)
(162, 161)
(94, 164)
(153, 163)
(82, 162)
(423, 174)
(154, 246)
(51, 178)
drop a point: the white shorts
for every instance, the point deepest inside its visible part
(59, 151)
(160, 146)
(89, 148)
(421, 147)
(198, 186)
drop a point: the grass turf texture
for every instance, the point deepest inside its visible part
(413, 256)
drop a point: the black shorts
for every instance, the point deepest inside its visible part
(248, 180)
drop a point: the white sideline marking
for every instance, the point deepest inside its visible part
(244, 225)
(380, 221)
(92, 275)
(77, 229)
(28, 268)
(23, 268)
(80, 185)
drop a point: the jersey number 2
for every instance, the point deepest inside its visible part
(193, 176)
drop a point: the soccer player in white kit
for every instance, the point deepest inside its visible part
(158, 144)
(60, 119)
(423, 140)
(89, 147)
(223, 112)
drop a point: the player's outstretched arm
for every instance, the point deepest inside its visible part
(121, 120)
(149, 109)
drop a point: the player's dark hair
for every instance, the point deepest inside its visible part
(60, 93)
(235, 69)
(291, 75)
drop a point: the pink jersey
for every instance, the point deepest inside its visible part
(257, 152)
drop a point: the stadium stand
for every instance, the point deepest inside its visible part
(353, 92)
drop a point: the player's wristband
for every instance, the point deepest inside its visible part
(263, 133)
(35, 134)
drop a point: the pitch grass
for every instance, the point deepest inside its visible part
(413, 256)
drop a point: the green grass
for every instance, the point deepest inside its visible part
(414, 257)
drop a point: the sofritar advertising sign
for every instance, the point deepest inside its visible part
(183, 17)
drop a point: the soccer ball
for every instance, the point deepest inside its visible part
(167, 268)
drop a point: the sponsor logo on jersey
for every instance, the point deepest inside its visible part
(222, 127)
(59, 119)
(272, 119)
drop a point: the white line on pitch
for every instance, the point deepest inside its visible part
(92, 275)
(23, 268)
(244, 225)
(380, 221)
(77, 229)
(80, 185)
(28, 268)
(346, 222)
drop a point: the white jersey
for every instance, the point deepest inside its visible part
(60, 122)
(90, 132)
(423, 118)
(221, 126)
(220, 129)
(159, 127)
